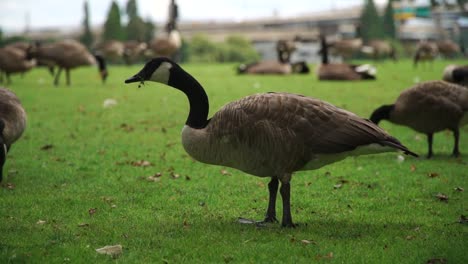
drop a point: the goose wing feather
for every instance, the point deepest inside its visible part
(311, 126)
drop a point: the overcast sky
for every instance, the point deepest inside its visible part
(69, 13)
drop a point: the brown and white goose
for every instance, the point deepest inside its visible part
(269, 135)
(69, 54)
(456, 74)
(12, 123)
(342, 71)
(429, 107)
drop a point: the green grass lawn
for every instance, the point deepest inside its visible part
(72, 182)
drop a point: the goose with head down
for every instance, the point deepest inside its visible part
(269, 135)
(429, 107)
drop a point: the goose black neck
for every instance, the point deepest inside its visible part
(198, 100)
(381, 113)
(324, 50)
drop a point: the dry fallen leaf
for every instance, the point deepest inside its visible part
(153, 178)
(437, 261)
(92, 211)
(175, 175)
(127, 128)
(10, 186)
(47, 147)
(433, 174)
(463, 219)
(110, 250)
(40, 222)
(338, 186)
(141, 163)
(459, 189)
(225, 172)
(442, 197)
(306, 242)
(412, 168)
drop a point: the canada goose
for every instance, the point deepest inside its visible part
(284, 49)
(13, 60)
(69, 54)
(379, 49)
(134, 51)
(167, 44)
(342, 71)
(273, 67)
(26, 47)
(425, 51)
(111, 50)
(448, 48)
(429, 107)
(346, 48)
(12, 123)
(456, 74)
(269, 135)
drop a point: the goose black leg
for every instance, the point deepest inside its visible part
(285, 191)
(456, 135)
(57, 76)
(271, 211)
(429, 142)
(67, 71)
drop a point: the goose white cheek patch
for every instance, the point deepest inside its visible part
(162, 73)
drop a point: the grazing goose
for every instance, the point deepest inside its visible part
(166, 45)
(26, 47)
(111, 50)
(429, 107)
(456, 74)
(12, 123)
(13, 60)
(448, 48)
(346, 48)
(269, 135)
(69, 54)
(379, 49)
(342, 71)
(425, 51)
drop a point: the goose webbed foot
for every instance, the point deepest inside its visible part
(270, 219)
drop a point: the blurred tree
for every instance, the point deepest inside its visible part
(388, 21)
(87, 37)
(112, 27)
(234, 49)
(370, 22)
(136, 27)
(149, 30)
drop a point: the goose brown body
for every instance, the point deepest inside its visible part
(14, 60)
(12, 122)
(69, 54)
(429, 107)
(269, 135)
(249, 135)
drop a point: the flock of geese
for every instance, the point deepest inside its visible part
(274, 134)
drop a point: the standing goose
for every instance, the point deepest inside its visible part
(14, 60)
(269, 135)
(69, 54)
(425, 51)
(342, 71)
(429, 107)
(12, 123)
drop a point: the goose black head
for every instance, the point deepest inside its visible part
(381, 113)
(156, 70)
